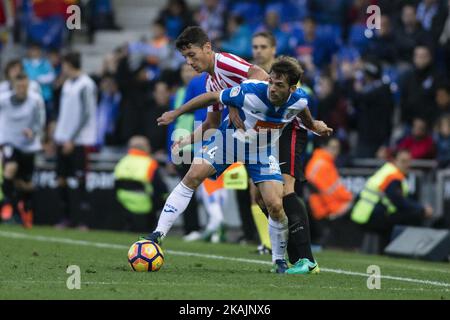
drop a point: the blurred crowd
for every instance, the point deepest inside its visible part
(380, 89)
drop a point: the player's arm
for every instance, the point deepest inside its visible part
(254, 72)
(317, 126)
(258, 73)
(201, 101)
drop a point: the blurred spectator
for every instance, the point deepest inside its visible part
(8, 12)
(45, 21)
(329, 198)
(158, 50)
(76, 129)
(176, 16)
(107, 111)
(55, 58)
(100, 17)
(273, 25)
(12, 69)
(384, 201)
(443, 141)
(409, 33)
(264, 49)
(332, 107)
(418, 88)
(158, 134)
(186, 121)
(136, 102)
(239, 38)
(191, 87)
(39, 68)
(443, 98)
(311, 48)
(139, 186)
(426, 10)
(441, 33)
(374, 105)
(211, 17)
(383, 45)
(420, 142)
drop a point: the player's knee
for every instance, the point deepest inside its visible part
(275, 208)
(10, 170)
(289, 184)
(193, 179)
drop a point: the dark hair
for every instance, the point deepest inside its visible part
(74, 59)
(397, 152)
(289, 67)
(11, 64)
(191, 36)
(268, 35)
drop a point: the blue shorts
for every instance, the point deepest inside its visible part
(262, 164)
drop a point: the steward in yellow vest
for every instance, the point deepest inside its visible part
(384, 201)
(138, 184)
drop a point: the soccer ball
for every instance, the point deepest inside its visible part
(145, 255)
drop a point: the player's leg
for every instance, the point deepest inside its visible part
(10, 169)
(272, 192)
(80, 164)
(299, 231)
(63, 168)
(180, 197)
(299, 248)
(25, 189)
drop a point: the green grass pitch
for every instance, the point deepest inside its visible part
(34, 262)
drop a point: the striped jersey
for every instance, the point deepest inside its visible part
(229, 71)
(251, 97)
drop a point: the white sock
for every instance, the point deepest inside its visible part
(278, 231)
(175, 205)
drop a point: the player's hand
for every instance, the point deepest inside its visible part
(67, 147)
(428, 211)
(321, 128)
(166, 118)
(235, 118)
(28, 133)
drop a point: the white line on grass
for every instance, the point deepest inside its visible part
(17, 235)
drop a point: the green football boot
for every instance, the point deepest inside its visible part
(304, 266)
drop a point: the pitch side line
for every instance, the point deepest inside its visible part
(17, 235)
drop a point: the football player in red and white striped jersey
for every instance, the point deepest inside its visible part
(225, 70)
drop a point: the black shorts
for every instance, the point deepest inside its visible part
(72, 165)
(292, 142)
(24, 160)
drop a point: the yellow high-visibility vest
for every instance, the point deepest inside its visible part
(372, 194)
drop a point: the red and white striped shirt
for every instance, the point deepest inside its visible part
(229, 71)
